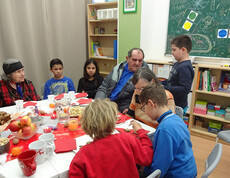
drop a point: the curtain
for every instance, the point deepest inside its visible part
(36, 31)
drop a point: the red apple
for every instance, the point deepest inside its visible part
(14, 126)
(20, 132)
(25, 121)
(27, 131)
(33, 126)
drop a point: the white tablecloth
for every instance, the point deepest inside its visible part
(58, 164)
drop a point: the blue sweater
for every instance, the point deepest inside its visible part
(180, 82)
(56, 87)
(172, 147)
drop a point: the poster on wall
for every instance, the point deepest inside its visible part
(129, 6)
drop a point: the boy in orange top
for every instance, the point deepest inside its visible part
(141, 78)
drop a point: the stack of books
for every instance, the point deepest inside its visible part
(204, 81)
(96, 49)
(200, 107)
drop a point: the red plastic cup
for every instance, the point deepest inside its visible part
(27, 162)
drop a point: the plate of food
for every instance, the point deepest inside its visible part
(76, 111)
(5, 119)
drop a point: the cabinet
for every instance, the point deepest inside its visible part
(102, 29)
(218, 97)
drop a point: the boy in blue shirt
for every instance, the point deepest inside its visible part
(59, 83)
(181, 76)
(172, 146)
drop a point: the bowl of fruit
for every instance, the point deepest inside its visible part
(23, 128)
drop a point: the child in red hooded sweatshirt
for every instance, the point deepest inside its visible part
(109, 155)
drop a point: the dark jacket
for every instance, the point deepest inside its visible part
(180, 82)
(110, 82)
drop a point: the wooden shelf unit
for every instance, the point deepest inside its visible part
(218, 97)
(159, 62)
(107, 62)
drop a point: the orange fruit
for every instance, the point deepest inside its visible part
(16, 151)
(51, 105)
(66, 109)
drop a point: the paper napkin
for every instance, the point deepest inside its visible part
(84, 101)
(65, 144)
(80, 95)
(29, 103)
(122, 118)
(58, 97)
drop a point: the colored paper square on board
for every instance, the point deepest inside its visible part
(187, 25)
(192, 15)
(222, 33)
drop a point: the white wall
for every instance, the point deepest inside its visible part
(154, 27)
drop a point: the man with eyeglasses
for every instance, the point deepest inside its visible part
(117, 86)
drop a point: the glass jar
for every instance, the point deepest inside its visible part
(62, 109)
(73, 124)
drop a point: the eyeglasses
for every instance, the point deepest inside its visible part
(143, 106)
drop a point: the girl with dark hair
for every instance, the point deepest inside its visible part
(91, 80)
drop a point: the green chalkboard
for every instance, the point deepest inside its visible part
(206, 22)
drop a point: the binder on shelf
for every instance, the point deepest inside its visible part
(209, 80)
(201, 81)
(198, 80)
(213, 83)
(205, 80)
(115, 49)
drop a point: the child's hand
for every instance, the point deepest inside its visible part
(136, 126)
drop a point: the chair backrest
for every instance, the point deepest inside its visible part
(213, 160)
(224, 135)
(42, 91)
(179, 111)
(155, 174)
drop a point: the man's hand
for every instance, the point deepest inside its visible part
(136, 126)
(125, 111)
